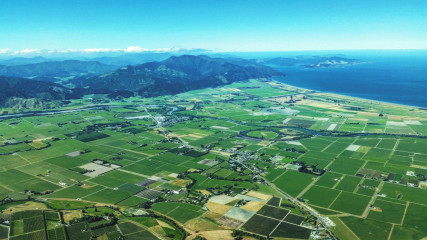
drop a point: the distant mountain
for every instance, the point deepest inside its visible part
(23, 60)
(23, 93)
(313, 61)
(177, 74)
(132, 58)
(55, 70)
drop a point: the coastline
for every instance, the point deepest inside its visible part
(354, 97)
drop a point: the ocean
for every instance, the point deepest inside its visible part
(395, 76)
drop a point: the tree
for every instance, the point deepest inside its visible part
(199, 238)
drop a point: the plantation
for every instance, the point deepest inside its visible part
(273, 212)
(179, 211)
(327, 196)
(350, 203)
(293, 182)
(260, 225)
(389, 212)
(286, 230)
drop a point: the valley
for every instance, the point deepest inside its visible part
(256, 159)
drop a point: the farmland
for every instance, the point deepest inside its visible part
(217, 159)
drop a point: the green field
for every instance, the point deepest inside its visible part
(179, 211)
(320, 196)
(241, 143)
(293, 182)
(390, 212)
(350, 203)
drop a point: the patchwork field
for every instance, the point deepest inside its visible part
(241, 157)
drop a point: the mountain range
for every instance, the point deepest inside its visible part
(56, 70)
(173, 75)
(176, 74)
(21, 93)
(164, 75)
(311, 61)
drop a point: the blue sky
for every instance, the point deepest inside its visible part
(221, 25)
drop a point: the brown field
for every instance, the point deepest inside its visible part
(197, 136)
(158, 229)
(99, 204)
(371, 114)
(26, 206)
(103, 237)
(230, 223)
(259, 195)
(220, 234)
(70, 215)
(392, 117)
(202, 224)
(252, 238)
(212, 216)
(165, 225)
(204, 192)
(221, 153)
(359, 119)
(218, 208)
(264, 143)
(253, 206)
(417, 166)
(180, 182)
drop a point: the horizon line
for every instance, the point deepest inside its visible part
(137, 49)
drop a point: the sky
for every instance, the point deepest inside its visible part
(216, 25)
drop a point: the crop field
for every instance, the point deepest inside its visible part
(57, 233)
(276, 217)
(108, 196)
(368, 229)
(273, 212)
(414, 225)
(274, 201)
(149, 194)
(239, 214)
(348, 183)
(329, 179)
(327, 196)
(350, 203)
(295, 219)
(33, 225)
(286, 230)
(389, 211)
(179, 211)
(293, 182)
(260, 225)
(406, 193)
(221, 148)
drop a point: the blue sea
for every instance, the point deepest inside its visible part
(395, 76)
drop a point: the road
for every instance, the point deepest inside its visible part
(295, 201)
(159, 125)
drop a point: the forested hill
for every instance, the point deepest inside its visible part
(176, 74)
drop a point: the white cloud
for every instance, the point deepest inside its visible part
(130, 49)
(136, 49)
(96, 50)
(67, 50)
(5, 51)
(27, 51)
